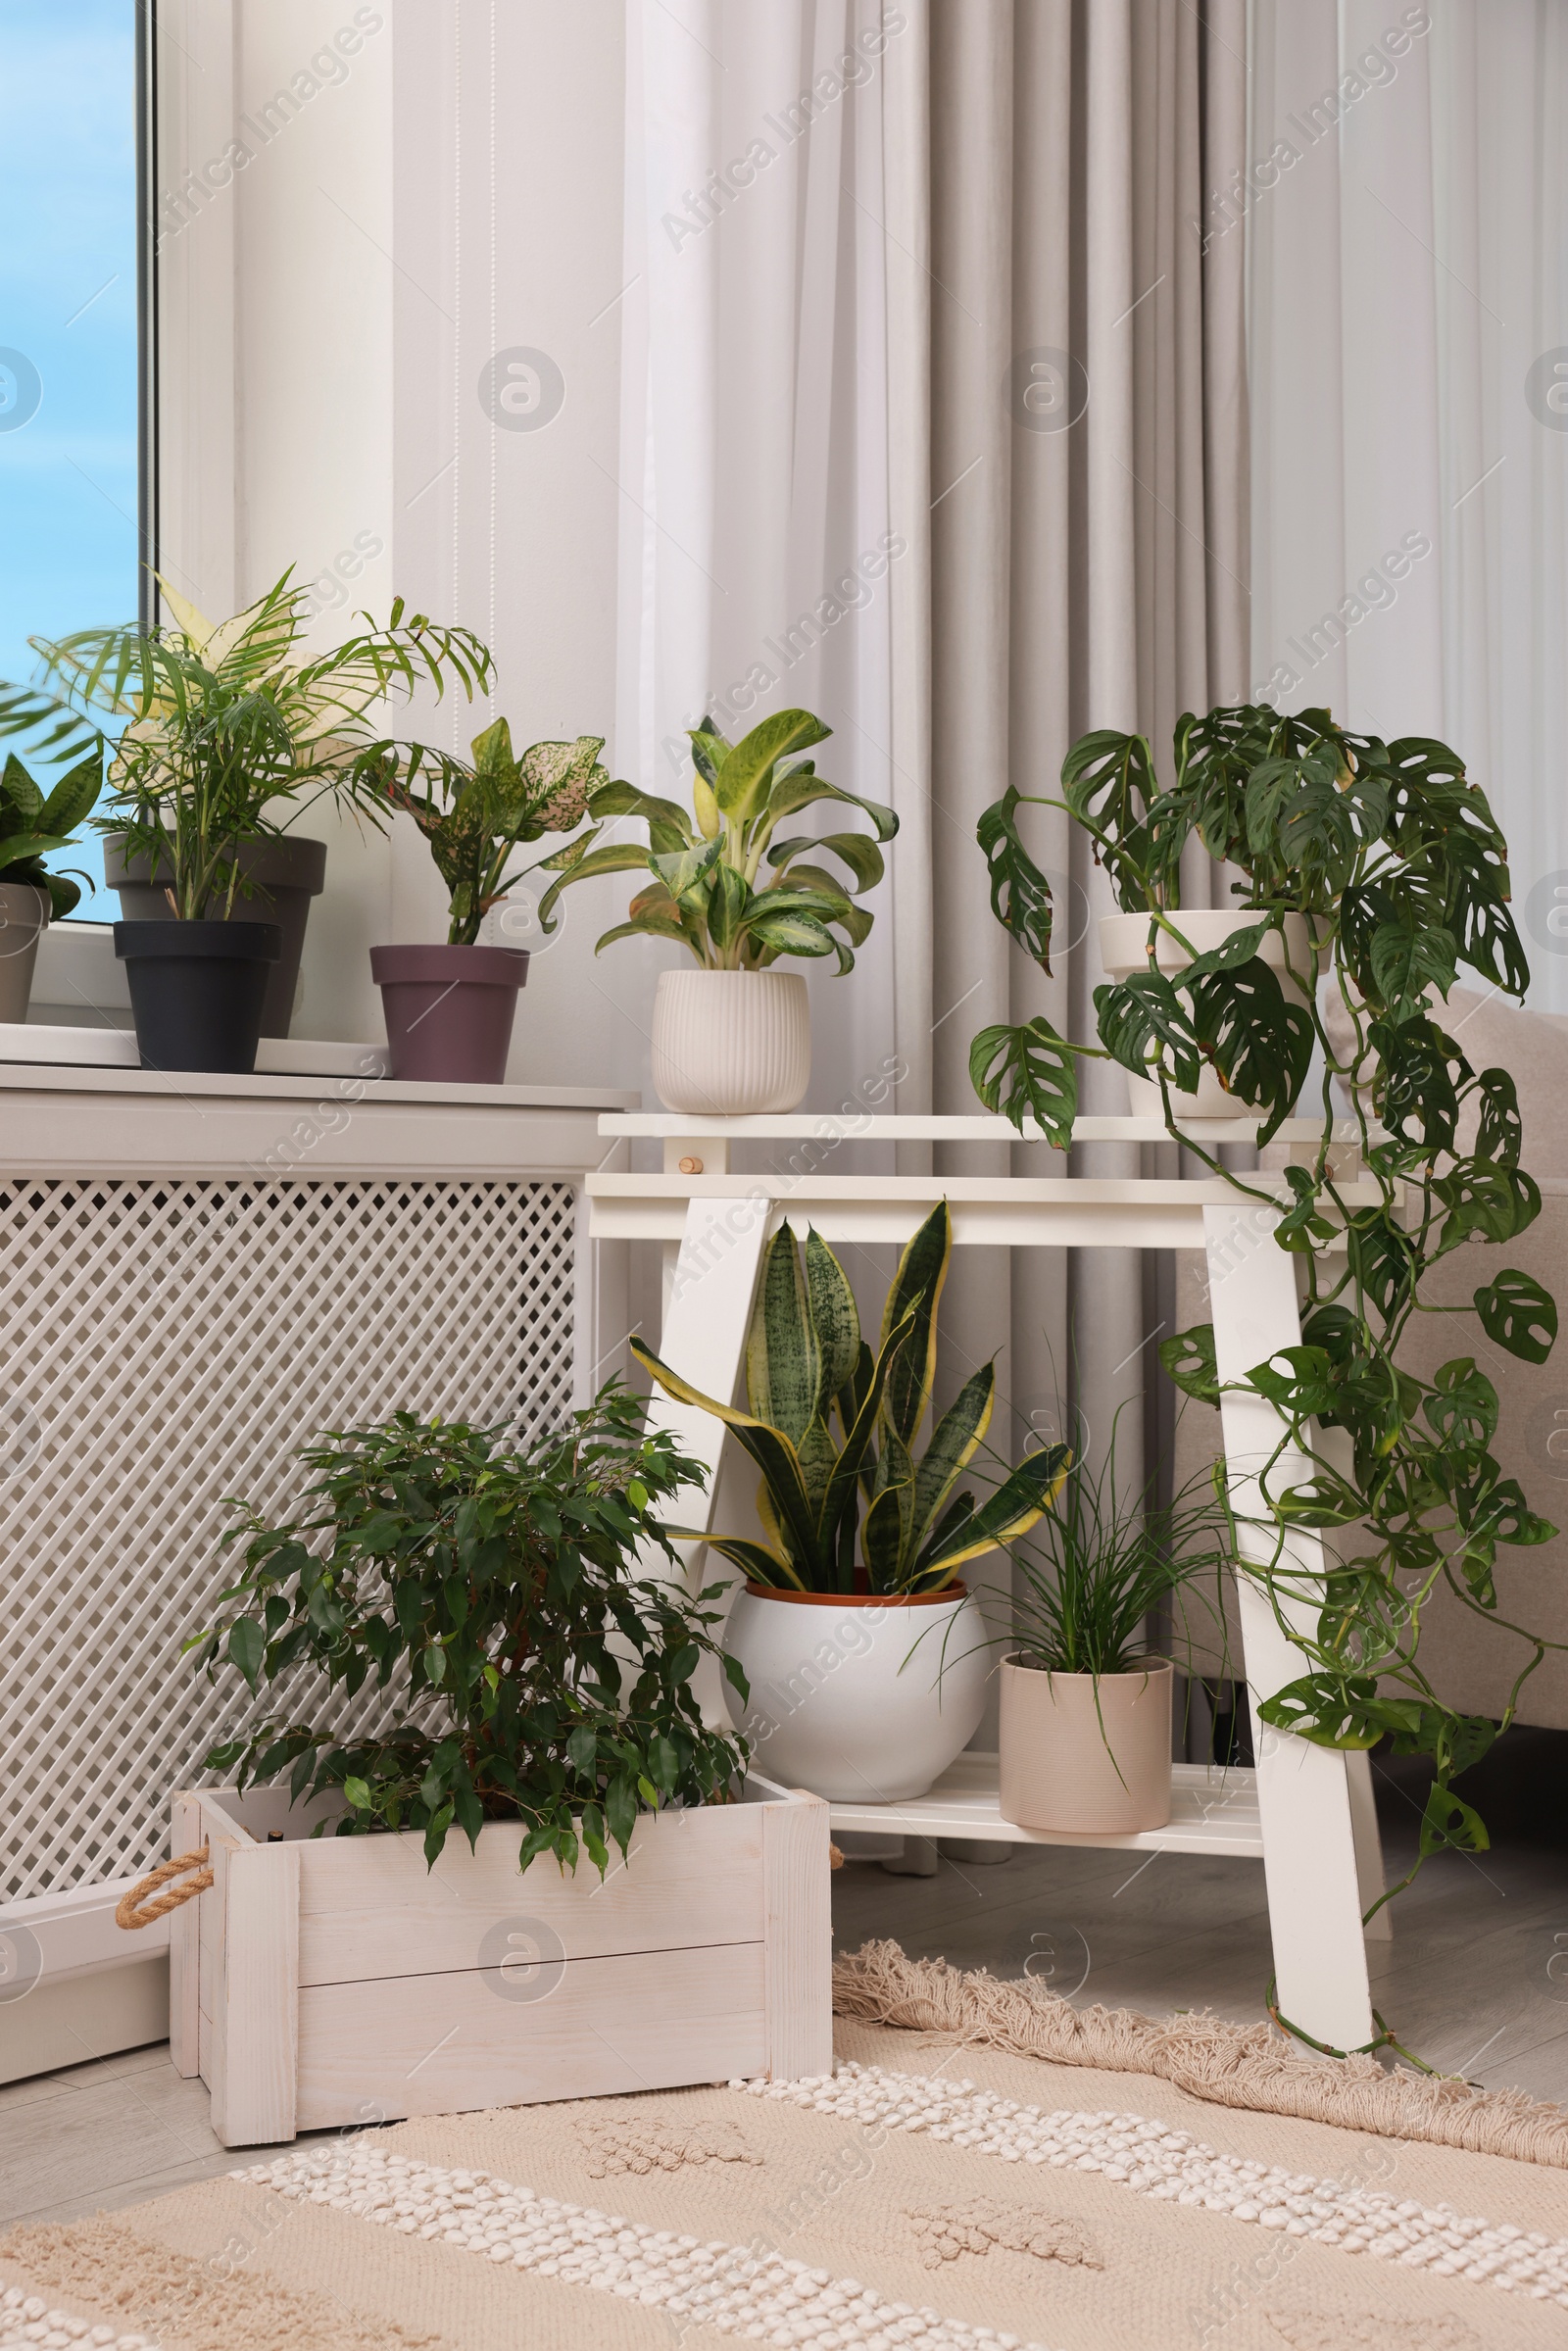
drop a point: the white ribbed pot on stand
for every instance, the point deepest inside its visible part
(1124, 950)
(730, 1042)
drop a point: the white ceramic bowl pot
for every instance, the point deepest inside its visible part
(1124, 950)
(1080, 1762)
(861, 1700)
(729, 1042)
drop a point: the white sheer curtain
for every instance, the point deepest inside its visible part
(1406, 212)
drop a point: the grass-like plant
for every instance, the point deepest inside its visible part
(709, 889)
(546, 1676)
(215, 726)
(846, 1503)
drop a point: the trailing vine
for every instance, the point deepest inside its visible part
(1395, 864)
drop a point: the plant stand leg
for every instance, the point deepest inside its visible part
(1304, 1792)
(1369, 1846)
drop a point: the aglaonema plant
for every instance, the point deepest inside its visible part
(1393, 859)
(709, 888)
(495, 1580)
(845, 1503)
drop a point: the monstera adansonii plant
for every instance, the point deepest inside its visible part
(1396, 861)
(845, 1503)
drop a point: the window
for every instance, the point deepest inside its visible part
(71, 492)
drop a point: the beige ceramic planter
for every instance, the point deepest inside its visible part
(23, 913)
(727, 1042)
(1124, 950)
(1080, 1769)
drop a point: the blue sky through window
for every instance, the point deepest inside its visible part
(68, 335)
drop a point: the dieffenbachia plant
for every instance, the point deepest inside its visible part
(1396, 861)
(845, 1500)
(709, 888)
(474, 815)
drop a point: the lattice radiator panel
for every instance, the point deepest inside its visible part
(168, 1344)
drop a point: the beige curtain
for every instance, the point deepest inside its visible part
(1068, 439)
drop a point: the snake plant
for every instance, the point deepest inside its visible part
(850, 1507)
(708, 888)
(31, 825)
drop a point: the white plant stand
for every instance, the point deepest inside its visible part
(1307, 1811)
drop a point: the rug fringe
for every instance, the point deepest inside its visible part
(1229, 2065)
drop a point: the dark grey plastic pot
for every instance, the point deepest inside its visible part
(288, 873)
(449, 1010)
(197, 990)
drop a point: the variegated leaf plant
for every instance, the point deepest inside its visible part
(846, 1503)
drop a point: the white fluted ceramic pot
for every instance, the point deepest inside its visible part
(1124, 950)
(861, 1700)
(1085, 1757)
(730, 1042)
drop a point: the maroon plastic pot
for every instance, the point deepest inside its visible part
(449, 1010)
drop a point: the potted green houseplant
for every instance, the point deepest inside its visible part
(860, 1645)
(450, 1009)
(1393, 857)
(490, 1589)
(217, 727)
(1086, 1708)
(734, 1034)
(31, 825)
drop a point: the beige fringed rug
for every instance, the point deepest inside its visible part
(946, 2188)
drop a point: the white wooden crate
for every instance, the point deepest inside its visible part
(324, 1982)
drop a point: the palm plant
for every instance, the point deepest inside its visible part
(852, 1508)
(474, 816)
(217, 724)
(707, 889)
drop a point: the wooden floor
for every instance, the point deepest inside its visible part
(1475, 1980)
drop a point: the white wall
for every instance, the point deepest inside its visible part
(450, 187)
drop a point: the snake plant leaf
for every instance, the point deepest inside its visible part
(1140, 1018)
(858, 851)
(839, 1499)
(74, 798)
(848, 1399)
(1014, 1507)
(914, 1295)
(834, 1318)
(818, 1460)
(741, 785)
(784, 1351)
(953, 1445)
(1020, 893)
(1028, 1072)
(957, 1513)
(758, 1562)
(885, 1537)
(801, 789)
(771, 1451)
(1519, 1315)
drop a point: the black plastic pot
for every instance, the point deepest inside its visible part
(197, 990)
(285, 875)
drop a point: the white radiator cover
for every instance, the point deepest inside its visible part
(168, 1342)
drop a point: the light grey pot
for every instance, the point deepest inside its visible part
(1082, 1768)
(24, 911)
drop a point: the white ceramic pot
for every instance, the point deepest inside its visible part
(1085, 1757)
(23, 915)
(1124, 950)
(728, 1042)
(859, 1700)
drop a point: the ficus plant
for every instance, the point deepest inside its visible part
(845, 1502)
(494, 1581)
(213, 731)
(474, 814)
(1393, 858)
(708, 887)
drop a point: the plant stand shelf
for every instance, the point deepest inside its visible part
(1312, 1818)
(1212, 1811)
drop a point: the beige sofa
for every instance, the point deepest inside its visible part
(1472, 1663)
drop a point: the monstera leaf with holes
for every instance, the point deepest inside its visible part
(709, 888)
(845, 1502)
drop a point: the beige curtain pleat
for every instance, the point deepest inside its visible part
(1086, 569)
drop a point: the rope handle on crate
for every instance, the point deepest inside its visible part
(144, 1903)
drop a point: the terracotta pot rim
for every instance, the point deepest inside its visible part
(1054, 1673)
(857, 1600)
